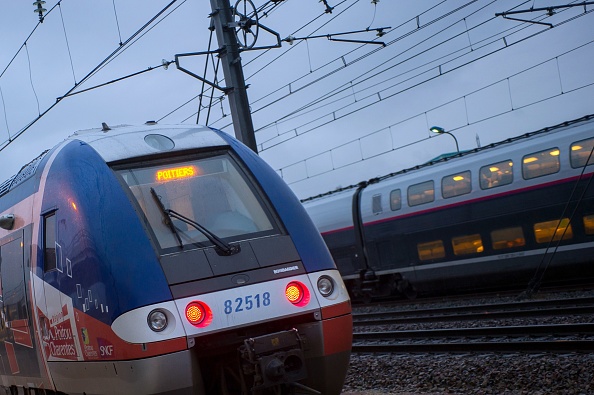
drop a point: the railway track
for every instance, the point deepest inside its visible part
(569, 346)
(577, 336)
(560, 307)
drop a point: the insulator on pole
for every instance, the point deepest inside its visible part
(40, 10)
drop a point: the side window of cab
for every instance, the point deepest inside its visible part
(49, 241)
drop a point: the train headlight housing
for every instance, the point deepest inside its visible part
(297, 293)
(198, 314)
(325, 286)
(157, 320)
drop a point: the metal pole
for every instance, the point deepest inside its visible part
(232, 69)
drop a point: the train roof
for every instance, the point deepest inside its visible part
(125, 141)
(454, 156)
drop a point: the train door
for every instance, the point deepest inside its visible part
(59, 332)
(17, 351)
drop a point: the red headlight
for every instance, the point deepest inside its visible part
(198, 314)
(297, 293)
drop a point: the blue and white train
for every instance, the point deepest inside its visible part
(515, 214)
(164, 260)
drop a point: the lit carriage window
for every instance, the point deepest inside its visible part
(545, 232)
(395, 200)
(431, 250)
(496, 174)
(589, 224)
(49, 241)
(456, 185)
(580, 152)
(540, 163)
(507, 238)
(376, 204)
(470, 244)
(421, 193)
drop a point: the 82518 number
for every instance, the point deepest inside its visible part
(247, 303)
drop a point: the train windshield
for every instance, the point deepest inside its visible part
(212, 192)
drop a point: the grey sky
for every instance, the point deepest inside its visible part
(499, 78)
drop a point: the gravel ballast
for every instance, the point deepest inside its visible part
(534, 374)
(472, 373)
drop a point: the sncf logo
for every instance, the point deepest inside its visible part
(106, 349)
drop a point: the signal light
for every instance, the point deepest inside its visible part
(198, 314)
(297, 293)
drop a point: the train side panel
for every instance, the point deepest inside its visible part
(509, 215)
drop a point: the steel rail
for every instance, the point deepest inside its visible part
(483, 315)
(527, 330)
(481, 307)
(561, 346)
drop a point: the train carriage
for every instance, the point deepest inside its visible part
(164, 259)
(514, 214)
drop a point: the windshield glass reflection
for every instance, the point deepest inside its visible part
(211, 192)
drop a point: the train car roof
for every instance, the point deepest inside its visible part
(453, 159)
(122, 142)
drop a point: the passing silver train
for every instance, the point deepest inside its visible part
(512, 215)
(164, 260)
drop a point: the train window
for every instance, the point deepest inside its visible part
(421, 193)
(496, 174)
(540, 163)
(14, 290)
(49, 241)
(395, 200)
(470, 244)
(210, 191)
(456, 185)
(581, 152)
(548, 231)
(376, 204)
(507, 238)
(589, 224)
(431, 250)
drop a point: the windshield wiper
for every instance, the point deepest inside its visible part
(168, 214)
(167, 218)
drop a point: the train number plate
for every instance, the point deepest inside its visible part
(247, 303)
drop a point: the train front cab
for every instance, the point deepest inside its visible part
(255, 315)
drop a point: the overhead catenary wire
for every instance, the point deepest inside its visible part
(375, 50)
(27, 39)
(335, 118)
(336, 70)
(115, 13)
(350, 85)
(590, 43)
(270, 62)
(347, 86)
(119, 79)
(67, 44)
(419, 27)
(31, 79)
(5, 115)
(89, 75)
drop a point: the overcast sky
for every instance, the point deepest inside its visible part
(327, 113)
